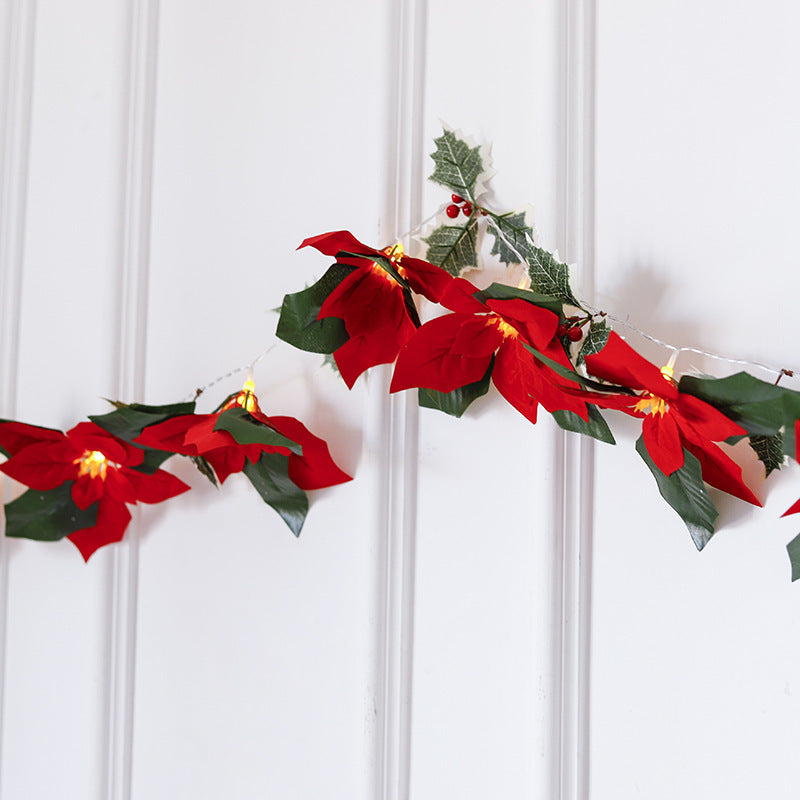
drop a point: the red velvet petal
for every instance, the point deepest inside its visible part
(425, 278)
(721, 471)
(314, 469)
(225, 461)
(43, 466)
(663, 442)
(202, 437)
(157, 487)
(88, 436)
(538, 325)
(170, 435)
(87, 490)
(119, 487)
(16, 435)
(704, 419)
(458, 296)
(430, 359)
(333, 242)
(793, 509)
(112, 520)
(619, 363)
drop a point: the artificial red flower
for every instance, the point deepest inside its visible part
(377, 309)
(454, 350)
(671, 420)
(196, 435)
(101, 466)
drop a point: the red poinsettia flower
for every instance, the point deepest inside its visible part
(197, 435)
(376, 309)
(101, 466)
(457, 349)
(671, 420)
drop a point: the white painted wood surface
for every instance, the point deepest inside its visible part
(490, 609)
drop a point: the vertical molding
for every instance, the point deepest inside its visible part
(131, 347)
(403, 204)
(16, 133)
(576, 459)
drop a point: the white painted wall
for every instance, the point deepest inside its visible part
(490, 609)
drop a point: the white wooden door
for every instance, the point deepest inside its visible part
(490, 609)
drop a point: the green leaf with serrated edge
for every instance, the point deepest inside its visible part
(576, 377)
(759, 407)
(596, 427)
(685, 491)
(595, 339)
(47, 516)
(549, 276)
(455, 403)
(512, 237)
(298, 324)
(205, 469)
(246, 429)
(499, 291)
(769, 450)
(270, 477)
(793, 549)
(127, 421)
(454, 249)
(458, 166)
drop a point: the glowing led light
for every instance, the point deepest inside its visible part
(92, 463)
(247, 398)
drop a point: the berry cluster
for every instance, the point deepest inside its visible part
(572, 328)
(453, 210)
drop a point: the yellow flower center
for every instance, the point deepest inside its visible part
(395, 253)
(92, 463)
(508, 330)
(653, 404)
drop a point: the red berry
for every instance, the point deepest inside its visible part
(452, 211)
(456, 198)
(467, 210)
(573, 334)
(561, 330)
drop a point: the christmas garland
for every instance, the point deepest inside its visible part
(536, 342)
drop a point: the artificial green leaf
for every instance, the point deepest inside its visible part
(456, 402)
(685, 491)
(769, 450)
(458, 166)
(759, 407)
(595, 339)
(512, 237)
(499, 291)
(47, 516)
(246, 429)
(596, 427)
(205, 469)
(549, 276)
(454, 248)
(270, 477)
(298, 324)
(793, 549)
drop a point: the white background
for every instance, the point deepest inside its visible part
(490, 609)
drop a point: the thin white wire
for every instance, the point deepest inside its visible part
(249, 367)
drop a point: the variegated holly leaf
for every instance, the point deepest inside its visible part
(769, 450)
(459, 167)
(513, 237)
(454, 248)
(595, 340)
(549, 275)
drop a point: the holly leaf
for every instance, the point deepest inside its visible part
(457, 165)
(454, 248)
(512, 237)
(596, 427)
(595, 339)
(685, 491)
(205, 469)
(793, 549)
(47, 516)
(298, 324)
(246, 429)
(549, 275)
(769, 450)
(455, 403)
(270, 477)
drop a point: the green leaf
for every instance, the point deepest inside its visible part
(246, 429)
(205, 469)
(454, 248)
(549, 276)
(456, 402)
(458, 166)
(769, 450)
(685, 491)
(596, 427)
(298, 324)
(499, 291)
(595, 339)
(793, 549)
(512, 237)
(47, 516)
(759, 407)
(270, 477)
